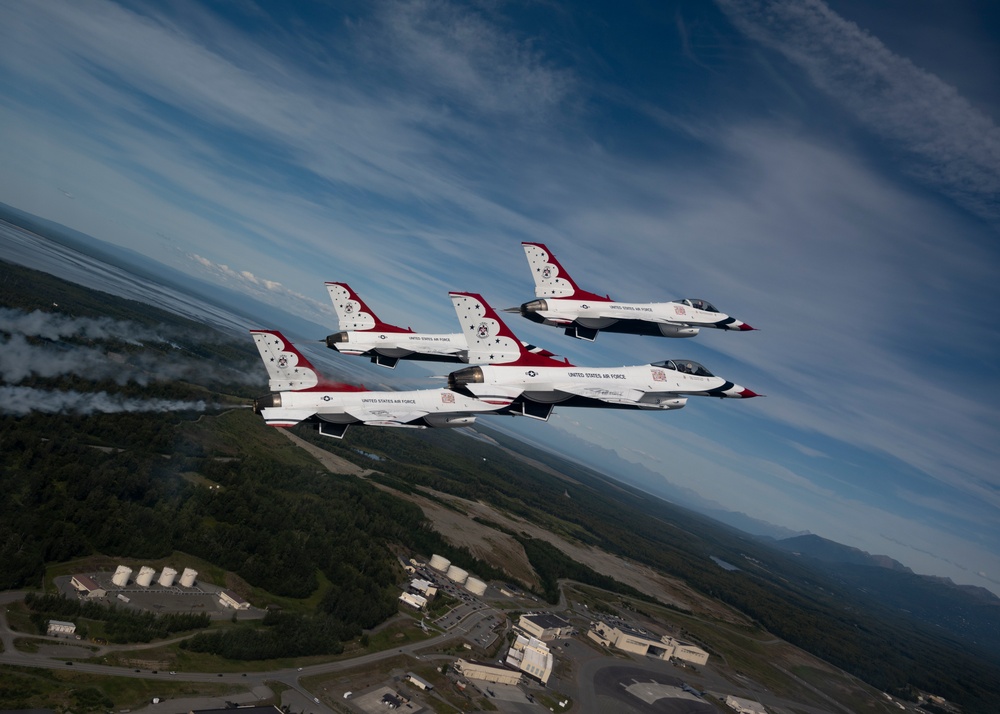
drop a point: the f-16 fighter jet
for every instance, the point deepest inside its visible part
(299, 393)
(362, 333)
(531, 385)
(583, 314)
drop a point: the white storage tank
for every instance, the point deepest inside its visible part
(121, 576)
(188, 577)
(439, 563)
(475, 586)
(145, 576)
(457, 575)
(167, 577)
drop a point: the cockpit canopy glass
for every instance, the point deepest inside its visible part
(686, 366)
(698, 304)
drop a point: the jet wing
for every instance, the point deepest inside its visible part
(611, 396)
(494, 393)
(386, 417)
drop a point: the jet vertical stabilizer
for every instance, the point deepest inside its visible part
(490, 340)
(551, 279)
(353, 314)
(288, 369)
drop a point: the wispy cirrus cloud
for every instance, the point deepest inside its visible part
(953, 145)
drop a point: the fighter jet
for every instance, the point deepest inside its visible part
(531, 385)
(583, 314)
(362, 333)
(300, 393)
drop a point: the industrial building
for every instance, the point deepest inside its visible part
(414, 601)
(531, 656)
(629, 640)
(87, 586)
(495, 673)
(56, 628)
(121, 576)
(424, 587)
(227, 598)
(418, 681)
(545, 626)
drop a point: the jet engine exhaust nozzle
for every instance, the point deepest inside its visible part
(266, 402)
(531, 309)
(336, 339)
(458, 381)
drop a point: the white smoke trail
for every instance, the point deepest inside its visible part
(19, 401)
(55, 326)
(21, 359)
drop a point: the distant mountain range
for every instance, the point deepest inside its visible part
(968, 611)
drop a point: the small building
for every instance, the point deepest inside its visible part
(545, 626)
(392, 701)
(227, 598)
(495, 673)
(745, 706)
(58, 628)
(414, 601)
(531, 656)
(425, 587)
(418, 681)
(87, 586)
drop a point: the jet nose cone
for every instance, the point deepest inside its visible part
(744, 327)
(745, 393)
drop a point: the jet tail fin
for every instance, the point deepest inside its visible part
(551, 279)
(490, 340)
(353, 314)
(288, 369)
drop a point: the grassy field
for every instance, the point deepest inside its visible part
(31, 688)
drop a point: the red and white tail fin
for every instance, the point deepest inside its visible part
(490, 340)
(289, 370)
(353, 314)
(551, 279)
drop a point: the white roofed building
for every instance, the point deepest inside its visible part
(60, 627)
(414, 601)
(531, 656)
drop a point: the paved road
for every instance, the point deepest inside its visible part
(252, 681)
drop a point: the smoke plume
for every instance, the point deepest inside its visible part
(18, 401)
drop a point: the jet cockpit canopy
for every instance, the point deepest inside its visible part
(686, 366)
(698, 304)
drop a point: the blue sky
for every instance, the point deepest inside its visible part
(827, 172)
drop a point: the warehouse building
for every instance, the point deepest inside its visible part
(495, 673)
(628, 639)
(544, 626)
(531, 656)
